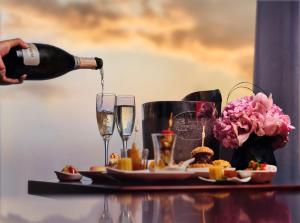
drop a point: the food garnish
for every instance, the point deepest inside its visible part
(253, 165)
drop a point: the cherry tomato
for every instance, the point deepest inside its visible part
(263, 166)
(167, 132)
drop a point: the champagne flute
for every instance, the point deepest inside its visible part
(105, 110)
(105, 216)
(125, 117)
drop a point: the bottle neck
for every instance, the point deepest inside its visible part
(88, 63)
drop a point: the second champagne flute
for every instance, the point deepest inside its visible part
(125, 117)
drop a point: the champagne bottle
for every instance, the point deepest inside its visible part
(42, 62)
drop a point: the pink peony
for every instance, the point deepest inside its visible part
(258, 120)
(226, 132)
(244, 129)
(252, 114)
(261, 103)
(277, 123)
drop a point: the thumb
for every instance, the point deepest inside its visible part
(2, 68)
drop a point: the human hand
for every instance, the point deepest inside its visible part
(5, 47)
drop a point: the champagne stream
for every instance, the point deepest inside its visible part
(102, 86)
(102, 79)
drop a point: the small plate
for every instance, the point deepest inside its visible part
(232, 179)
(62, 176)
(204, 171)
(146, 175)
(199, 172)
(260, 176)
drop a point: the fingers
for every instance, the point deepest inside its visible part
(2, 67)
(6, 80)
(22, 78)
(18, 42)
(7, 45)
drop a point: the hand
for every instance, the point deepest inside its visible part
(5, 47)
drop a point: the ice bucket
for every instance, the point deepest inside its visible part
(189, 116)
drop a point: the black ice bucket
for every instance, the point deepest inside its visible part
(189, 116)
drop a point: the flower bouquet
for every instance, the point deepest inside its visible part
(254, 127)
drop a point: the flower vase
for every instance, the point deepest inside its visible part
(256, 148)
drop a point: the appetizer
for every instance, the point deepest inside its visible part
(69, 169)
(228, 171)
(134, 154)
(68, 173)
(202, 155)
(253, 165)
(124, 164)
(98, 168)
(166, 144)
(222, 163)
(216, 172)
(113, 159)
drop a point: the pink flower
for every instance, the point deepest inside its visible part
(252, 114)
(258, 120)
(244, 129)
(261, 103)
(271, 125)
(226, 133)
(277, 123)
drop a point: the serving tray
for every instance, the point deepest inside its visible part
(51, 187)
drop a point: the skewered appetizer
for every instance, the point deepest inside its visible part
(202, 155)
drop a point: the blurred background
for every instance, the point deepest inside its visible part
(155, 50)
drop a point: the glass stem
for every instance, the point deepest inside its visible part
(106, 142)
(105, 204)
(124, 152)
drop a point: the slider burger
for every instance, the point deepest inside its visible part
(202, 155)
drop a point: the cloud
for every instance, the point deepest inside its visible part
(208, 30)
(48, 91)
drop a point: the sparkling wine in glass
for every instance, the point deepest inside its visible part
(125, 117)
(105, 111)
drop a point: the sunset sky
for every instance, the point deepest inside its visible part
(155, 50)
